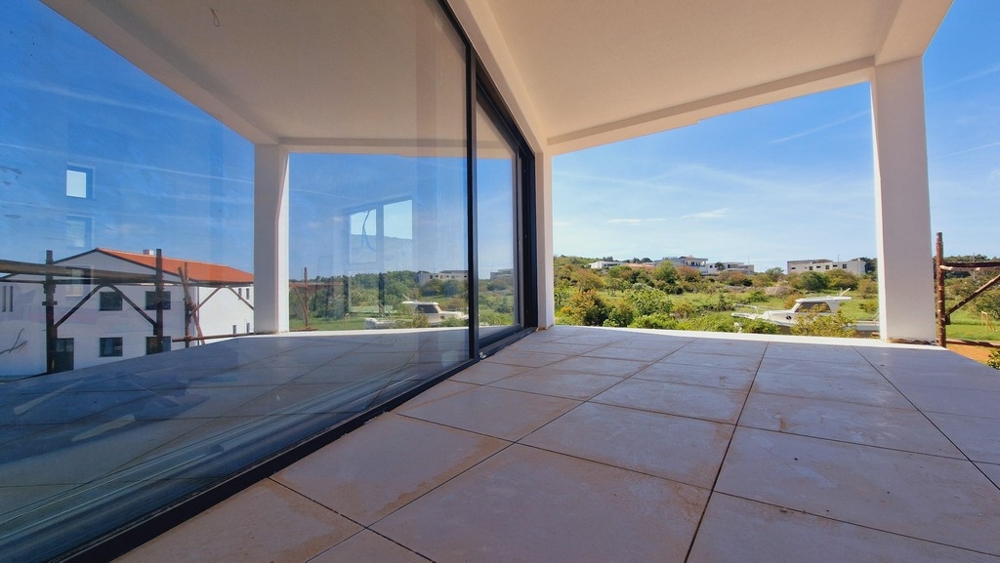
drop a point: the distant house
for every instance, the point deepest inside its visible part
(100, 319)
(718, 267)
(824, 265)
(709, 268)
(604, 264)
(445, 275)
(701, 264)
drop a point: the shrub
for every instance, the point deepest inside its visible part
(825, 325)
(620, 315)
(757, 326)
(994, 360)
(810, 281)
(655, 320)
(586, 308)
(709, 323)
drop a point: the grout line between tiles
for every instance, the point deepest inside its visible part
(725, 455)
(922, 413)
(849, 523)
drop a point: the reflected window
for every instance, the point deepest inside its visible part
(79, 182)
(79, 232)
(151, 300)
(111, 346)
(110, 301)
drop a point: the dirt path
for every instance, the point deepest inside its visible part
(978, 353)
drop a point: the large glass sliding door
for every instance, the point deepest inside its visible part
(404, 248)
(497, 218)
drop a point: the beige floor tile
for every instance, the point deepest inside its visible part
(368, 547)
(601, 366)
(695, 401)
(529, 359)
(596, 336)
(705, 359)
(900, 429)
(487, 372)
(953, 376)
(847, 389)
(922, 360)
(266, 522)
(737, 530)
(726, 347)
(898, 492)
(441, 390)
(951, 400)
(992, 471)
(559, 383)
(978, 438)
(502, 413)
(619, 352)
(698, 375)
(832, 368)
(672, 447)
(529, 505)
(550, 347)
(668, 343)
(815, 353)
(386, 464)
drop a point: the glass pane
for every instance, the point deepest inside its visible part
(101, 165)
(497, 217)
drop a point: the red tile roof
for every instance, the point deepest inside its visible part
(197, 271)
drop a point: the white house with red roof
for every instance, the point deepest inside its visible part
(106, 309)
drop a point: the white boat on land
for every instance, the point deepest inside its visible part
(819, 305)
(430, 309)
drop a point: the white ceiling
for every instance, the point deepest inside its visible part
(576, 73)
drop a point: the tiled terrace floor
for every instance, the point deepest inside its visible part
(605, 445)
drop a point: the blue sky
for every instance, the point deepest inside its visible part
(786, 181)
(794, 180)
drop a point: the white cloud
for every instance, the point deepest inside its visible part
(713, 214)
(634, 221)
(819, 128)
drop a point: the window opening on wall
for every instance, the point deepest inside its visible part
(151, 345)
(79, 232)
(77, 282)
(79, 182)
(110, 301)
(111, 346)
(151, 300)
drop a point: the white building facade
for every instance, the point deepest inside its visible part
(822, 265)
(99, 322)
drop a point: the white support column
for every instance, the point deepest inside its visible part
(902, 203)
(543, 228)
(270, 256)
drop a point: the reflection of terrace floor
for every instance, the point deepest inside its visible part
(579, 444)
(79, 449)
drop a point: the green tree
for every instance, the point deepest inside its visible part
(994, 360)
(810, 281)
(432, 287)
(689, 274)
(734, 278)
(665, 273)
(867, 288)
(824, 325)
(647, 300)
(841, 279)
(586, 279)
(586, 308)
(662, 321)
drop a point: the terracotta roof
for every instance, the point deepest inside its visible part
(197, 271)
